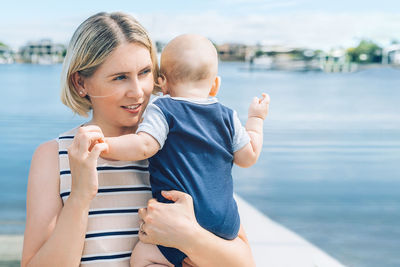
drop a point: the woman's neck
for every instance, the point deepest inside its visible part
(112, 130)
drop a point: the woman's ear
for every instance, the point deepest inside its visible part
(215, 86)
(79, 84)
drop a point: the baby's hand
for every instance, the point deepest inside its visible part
(259, 107)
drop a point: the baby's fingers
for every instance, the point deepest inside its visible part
(265, 98)
(256, 100)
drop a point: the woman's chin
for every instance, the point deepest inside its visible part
(131, 123)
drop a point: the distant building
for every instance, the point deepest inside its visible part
(232, 52)
(276, 57)
(42, 52)
(391, 55)
(160, 46)
(6, 55)
(337, 60)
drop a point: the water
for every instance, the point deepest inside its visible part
(329, 167)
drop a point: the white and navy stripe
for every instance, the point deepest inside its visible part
(113, 222)
(101, 169)
(125, 232)
(106, 257)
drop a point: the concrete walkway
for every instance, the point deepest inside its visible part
(272, 244)
(275, 246)
(10, 250)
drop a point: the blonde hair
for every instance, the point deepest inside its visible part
(93, 41)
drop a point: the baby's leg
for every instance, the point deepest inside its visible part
(148, 255)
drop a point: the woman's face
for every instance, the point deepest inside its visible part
(120, 88)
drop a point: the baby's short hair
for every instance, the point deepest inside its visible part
(189, 58)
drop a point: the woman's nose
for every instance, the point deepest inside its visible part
(135, 89)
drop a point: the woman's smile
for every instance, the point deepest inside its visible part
(135, 108)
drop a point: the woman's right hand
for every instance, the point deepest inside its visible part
(175, 225)
(169, 224)
(83, 154)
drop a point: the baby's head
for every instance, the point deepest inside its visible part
(189, 66)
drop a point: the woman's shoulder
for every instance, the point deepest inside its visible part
(49, 147)
(46, 152)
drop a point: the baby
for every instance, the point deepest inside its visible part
(191, 141)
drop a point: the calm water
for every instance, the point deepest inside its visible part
(329, 169)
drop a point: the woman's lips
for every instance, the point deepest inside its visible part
(132, 108)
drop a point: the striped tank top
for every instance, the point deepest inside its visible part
(113, 223)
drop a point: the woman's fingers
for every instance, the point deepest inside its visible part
(97, 149)
(87, 140)
(142, 213)
(142, 227)
(169, 224)
(188, 263)
(145, 238)
(176, 196)
(83, 154)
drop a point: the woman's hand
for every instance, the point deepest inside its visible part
(169, 224)
(83, 154)
(175, 225)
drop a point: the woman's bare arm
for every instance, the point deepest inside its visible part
(211, 250)
(51, 230)
(54, 234)
(175, 225)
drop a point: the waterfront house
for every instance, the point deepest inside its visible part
(337, 61)
(277, 57)
(232, 52)
(41, 52)
(6, 55)
(391, 55)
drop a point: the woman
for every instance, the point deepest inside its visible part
(83, 209)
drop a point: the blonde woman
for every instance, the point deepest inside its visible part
(86, 210)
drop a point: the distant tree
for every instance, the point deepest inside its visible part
(259, 53)
(3, 44)
(319, 51)
(366, 52)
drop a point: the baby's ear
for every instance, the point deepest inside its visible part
(215, 86)
(162, 83)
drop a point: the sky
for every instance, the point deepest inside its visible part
(315, 24)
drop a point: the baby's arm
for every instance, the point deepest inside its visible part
(131, 147)
(151, 135)
(258, 110)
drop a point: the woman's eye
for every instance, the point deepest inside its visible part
(146, 71)
(119, 78)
